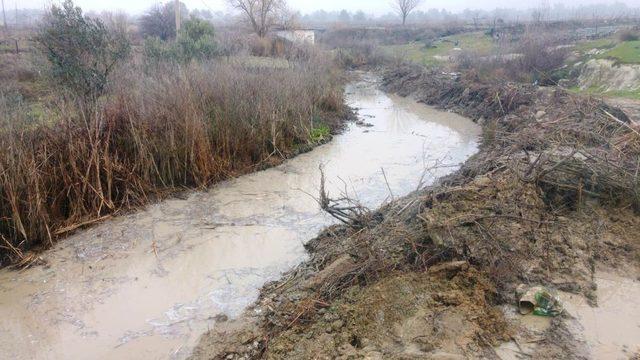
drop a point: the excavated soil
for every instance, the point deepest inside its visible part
(551, 199)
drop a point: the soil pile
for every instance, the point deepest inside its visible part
(551, 197)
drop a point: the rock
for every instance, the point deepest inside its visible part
(339, 267)
(221, 318)
(540, 114)
(483, 181)
(436, 238)
(337, 325)
(450, 268)
(445, 356)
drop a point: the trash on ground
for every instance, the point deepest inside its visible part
(538, 300)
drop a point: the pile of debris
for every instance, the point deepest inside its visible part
(552, 195)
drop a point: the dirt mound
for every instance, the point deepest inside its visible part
(402, 316)
(607, 75)
(549, 198)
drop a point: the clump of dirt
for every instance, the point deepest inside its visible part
(404, 315)
(446, 311)
(551, 196)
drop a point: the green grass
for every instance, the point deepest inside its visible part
(627, 52)
(594, 90)
(320, 133)
(418, 52)
(627, 94)
(585, 46)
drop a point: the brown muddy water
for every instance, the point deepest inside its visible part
(610, 330)
(147, 285)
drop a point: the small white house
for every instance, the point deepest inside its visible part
(297, 37)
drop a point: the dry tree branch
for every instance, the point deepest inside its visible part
(345, 209)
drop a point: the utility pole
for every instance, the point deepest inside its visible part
(178, 18)
(4, 18)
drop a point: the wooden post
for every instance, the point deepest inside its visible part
(4, 18)
(178, 18)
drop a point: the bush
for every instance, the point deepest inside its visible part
(628, 35)
(535, 57)
(540, 57)
(160, 21)
(81, 51)
(195, 42)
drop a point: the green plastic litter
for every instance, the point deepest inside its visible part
(539, 301)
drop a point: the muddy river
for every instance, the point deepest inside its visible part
(148, 284)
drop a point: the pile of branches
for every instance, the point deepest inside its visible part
(570, 145)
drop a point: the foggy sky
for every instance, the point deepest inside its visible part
(376, 7)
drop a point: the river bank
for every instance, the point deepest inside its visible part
(549, 200)
(148, 284)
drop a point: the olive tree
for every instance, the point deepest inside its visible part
(82, 52)
(195, 41)
(160, 20)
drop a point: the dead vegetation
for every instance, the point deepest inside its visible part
(65, 164)
(549, 198)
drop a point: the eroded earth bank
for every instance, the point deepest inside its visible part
(551, 199)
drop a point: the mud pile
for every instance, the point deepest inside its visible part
(548, 200)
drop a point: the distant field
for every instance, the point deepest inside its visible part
(626, 52)
(625, 94)
(621, 52)
(438, 51)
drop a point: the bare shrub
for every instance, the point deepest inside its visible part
(628, 35)
(358, 54)
(540, 55)
(260, 46)
(531, 58)
(179, 126)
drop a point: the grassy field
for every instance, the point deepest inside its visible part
(627, 52)
(436, 53)
(625, 94)
(623, 52)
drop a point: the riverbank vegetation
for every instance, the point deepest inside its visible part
(91, 125)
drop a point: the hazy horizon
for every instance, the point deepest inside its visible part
(374, 7)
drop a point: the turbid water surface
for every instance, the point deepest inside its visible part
(148, 284)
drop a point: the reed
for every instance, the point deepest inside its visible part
(156, 130)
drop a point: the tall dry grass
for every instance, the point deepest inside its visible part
(159, 129)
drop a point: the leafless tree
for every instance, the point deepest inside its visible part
(116, 21)
(405, 7)
(286, 18)
(261, 14)
(476, 16)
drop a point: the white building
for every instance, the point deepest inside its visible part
(297, 37)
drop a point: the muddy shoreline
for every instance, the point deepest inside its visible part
(455, 252)
(193, 261)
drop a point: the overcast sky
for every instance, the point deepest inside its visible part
(305, 6)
